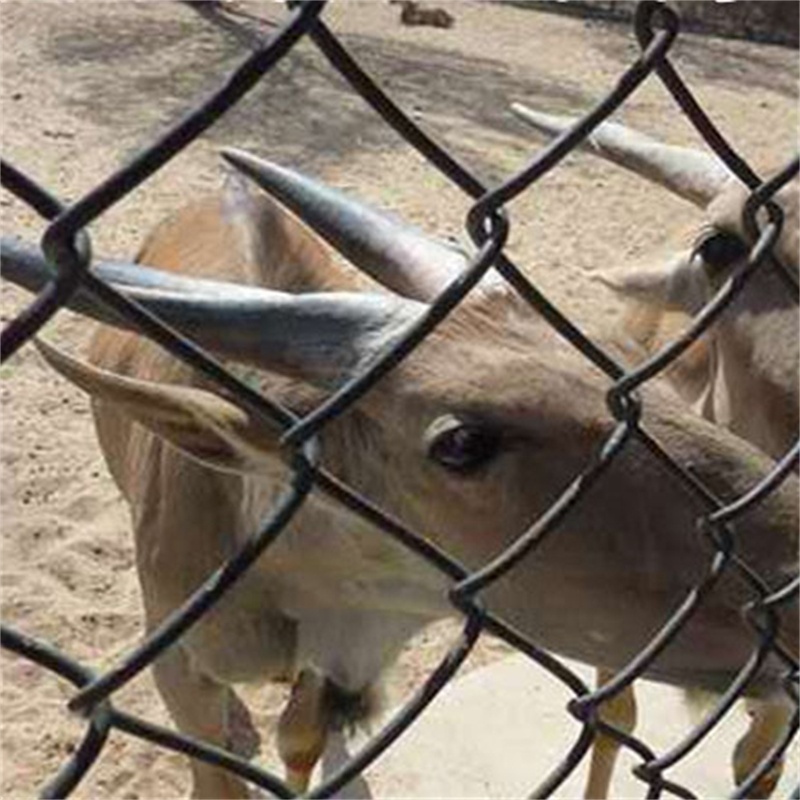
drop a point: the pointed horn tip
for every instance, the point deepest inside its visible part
(264, 172)
(615, 282)
(541, 120)
(237, 157)
(523, 112)
(248, 163)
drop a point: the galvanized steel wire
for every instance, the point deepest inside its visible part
(68, 250)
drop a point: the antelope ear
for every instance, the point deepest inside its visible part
(673, 286)
(202, 424)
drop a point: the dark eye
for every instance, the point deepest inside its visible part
(721, 250)
(461, 446)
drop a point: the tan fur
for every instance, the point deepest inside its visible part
(743, 374)
(338, 596)
(746, 365)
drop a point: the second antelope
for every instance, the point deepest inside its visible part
(743, 372)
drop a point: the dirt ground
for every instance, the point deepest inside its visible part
(86, 84)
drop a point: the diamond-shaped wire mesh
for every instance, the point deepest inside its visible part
(68, 252)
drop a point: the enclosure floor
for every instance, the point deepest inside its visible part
(86, 84)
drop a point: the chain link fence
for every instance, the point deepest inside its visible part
(67, 249)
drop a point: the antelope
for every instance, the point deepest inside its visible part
(468, 440)
(743, 373)
(413, 14)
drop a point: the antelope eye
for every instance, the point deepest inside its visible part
(721, 250)
(461, 446)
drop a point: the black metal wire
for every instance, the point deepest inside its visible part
(68, 251)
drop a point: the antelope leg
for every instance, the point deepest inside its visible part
(768, 719)
(620, 712)
(303, 728)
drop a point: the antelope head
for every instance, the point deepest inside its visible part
(743, 373)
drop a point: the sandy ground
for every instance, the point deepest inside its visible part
(86, 84)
